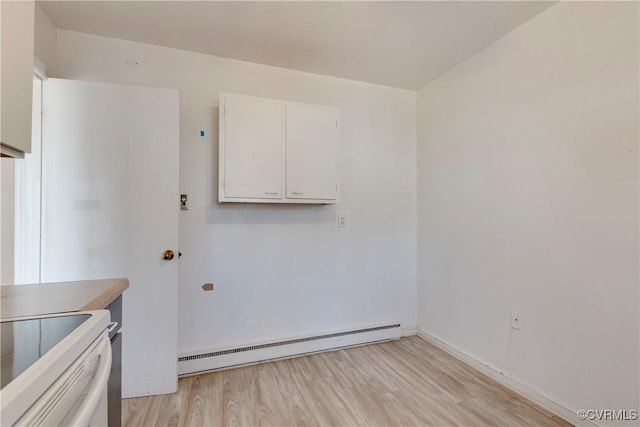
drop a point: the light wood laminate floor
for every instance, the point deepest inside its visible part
(398, 383)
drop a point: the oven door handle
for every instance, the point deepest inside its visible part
(88, 409)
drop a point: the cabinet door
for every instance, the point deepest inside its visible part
(252, 148)
(312, 152)
(16, 50)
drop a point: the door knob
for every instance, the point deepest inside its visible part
(167, 255)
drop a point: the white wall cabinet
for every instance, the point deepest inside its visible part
(17, 36)
(254, 150)
(312, 152)
(277, 152)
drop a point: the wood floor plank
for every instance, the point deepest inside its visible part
(204, 404)
(405, 382)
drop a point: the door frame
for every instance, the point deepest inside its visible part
(27, 197)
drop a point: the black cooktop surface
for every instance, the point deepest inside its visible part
(26, 341)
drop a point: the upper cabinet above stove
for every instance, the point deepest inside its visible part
(17, 76)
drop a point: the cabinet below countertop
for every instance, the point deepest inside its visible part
(61, 297)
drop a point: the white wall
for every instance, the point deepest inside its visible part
(528, 201)
(45, 42)
(279, 270)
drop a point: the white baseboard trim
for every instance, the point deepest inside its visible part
(409, 331)
(230, 357)
(508, 381)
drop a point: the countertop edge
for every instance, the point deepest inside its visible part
(107, 297)
(59, 297)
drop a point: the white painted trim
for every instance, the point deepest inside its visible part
(246, 356)
(506, 380)
(409, 331)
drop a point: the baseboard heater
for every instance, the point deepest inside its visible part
(193, 363)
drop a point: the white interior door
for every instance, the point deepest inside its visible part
(110, 209)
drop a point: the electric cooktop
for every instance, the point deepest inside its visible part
(26, 341)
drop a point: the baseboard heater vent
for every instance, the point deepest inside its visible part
(232, 357)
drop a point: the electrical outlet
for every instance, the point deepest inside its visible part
(342, 219)
(516, 322)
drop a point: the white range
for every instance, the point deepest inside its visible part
(55, 369)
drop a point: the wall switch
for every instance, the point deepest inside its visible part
(515, 321)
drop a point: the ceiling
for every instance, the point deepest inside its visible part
(394, 43)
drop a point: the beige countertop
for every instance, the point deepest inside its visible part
(48, 298)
